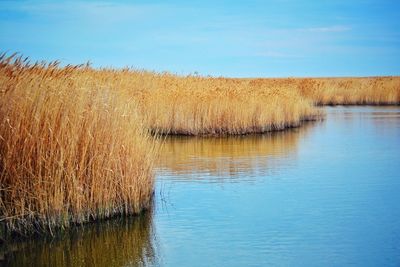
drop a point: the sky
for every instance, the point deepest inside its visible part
(272, 38)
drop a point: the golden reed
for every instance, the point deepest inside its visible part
(70, 150)
(193, 105)
(352, 91)
(218, 106)
(342, 91)
(75, 143)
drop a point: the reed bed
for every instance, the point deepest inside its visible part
(192, 105)
(70, 151)
(216, 106)
(76, 142)
(341, 91)
(352, 91)
(221, 106)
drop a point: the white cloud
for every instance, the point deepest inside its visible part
(276, 54)
(334, 28)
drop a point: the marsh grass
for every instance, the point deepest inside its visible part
(69, 152)
(75, 142)
(342, 91)
(352, 91)
(207, 106)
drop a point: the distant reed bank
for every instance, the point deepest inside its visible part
(343, 91)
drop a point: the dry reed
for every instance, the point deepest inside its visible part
(192, 105)
(352, 91)
(74, 141)
(214, 106)
(69, 152)
(342, 91)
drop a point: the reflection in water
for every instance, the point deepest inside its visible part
(370, 119)
(330, 199)
(116, 242)
(191, 158)
(349, 114)
(333, 200)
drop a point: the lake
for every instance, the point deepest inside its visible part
(324, 194)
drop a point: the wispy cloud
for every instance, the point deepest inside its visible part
(277, 54)
(334, 28)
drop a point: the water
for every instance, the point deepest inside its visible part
(326, 194)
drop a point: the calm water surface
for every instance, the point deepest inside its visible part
(326, 194)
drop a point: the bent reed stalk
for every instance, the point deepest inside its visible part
(70, 152)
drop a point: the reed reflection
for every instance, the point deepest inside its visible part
(116, 242)
(378, 119)
(191, 158)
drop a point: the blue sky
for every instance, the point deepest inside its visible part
(275, 38)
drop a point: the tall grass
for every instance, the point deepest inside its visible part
(70, 152)
(214, 106)
(75, 143)
(194, 105)
(352, 91)
(341, 91)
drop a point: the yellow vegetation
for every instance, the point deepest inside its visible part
(69, 152)
(75, 143)
(192, 105)
(215, 106)
(352, 91)
(341, 91)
